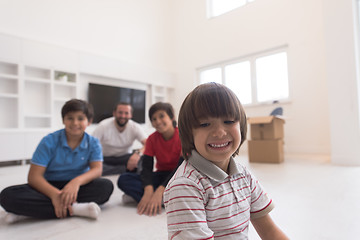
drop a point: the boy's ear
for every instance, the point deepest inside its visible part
(90, 122)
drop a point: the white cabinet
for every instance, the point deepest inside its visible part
(32, 97)
(9, 95)
(161, 94)
(158, 94)
(36, 100)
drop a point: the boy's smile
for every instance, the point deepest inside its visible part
(217, 139)
(161, 121)
(75, 123)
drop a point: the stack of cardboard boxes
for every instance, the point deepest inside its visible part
(267, 139)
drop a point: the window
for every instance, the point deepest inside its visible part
(237, 71)
(272, 77)
(259, 78)
(218, 7)
(211, 75)
(357, 49)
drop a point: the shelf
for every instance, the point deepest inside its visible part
(159, 90)
(37, 98)
(31, 97)
(9, 69)
(37, 122)
(158, 94)
(64, 92)
(57, 119)
(8, 85)
(158, 99)
(65, 77)
(38, 80)
(9, 76)
(37, 73)
(69, 84)
(43, 115)
(8, 95)
(8, 112)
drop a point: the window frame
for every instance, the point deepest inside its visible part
(210, 10)
(252, 59)
(357, 49)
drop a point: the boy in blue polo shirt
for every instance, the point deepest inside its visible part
(64, 176)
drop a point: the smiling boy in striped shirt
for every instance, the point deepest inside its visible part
(211, 196)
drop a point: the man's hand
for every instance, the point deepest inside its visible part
(132, 162)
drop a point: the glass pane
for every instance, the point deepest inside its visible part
(238, 79)
(219, 7)
(211, 75)
(272, 77)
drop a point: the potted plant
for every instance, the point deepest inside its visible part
(63, 77)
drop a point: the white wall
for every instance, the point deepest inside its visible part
(260, 26)
(341, 62)
(132, 31)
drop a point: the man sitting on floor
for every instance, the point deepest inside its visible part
(117, 135)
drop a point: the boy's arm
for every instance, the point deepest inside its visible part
(157, 195)
(267, 229)
(37, 181)
(165, 182)
(146, 179)
(70, 191)
(153, 204)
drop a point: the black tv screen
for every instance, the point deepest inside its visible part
(104, 98)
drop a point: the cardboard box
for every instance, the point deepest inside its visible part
(266, 151)
(266, 128)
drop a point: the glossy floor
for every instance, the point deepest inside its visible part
(314, 200)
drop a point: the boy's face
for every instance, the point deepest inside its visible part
(75, 123)
(217, 139)
(161, 121)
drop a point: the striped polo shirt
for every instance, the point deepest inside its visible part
(204, 202)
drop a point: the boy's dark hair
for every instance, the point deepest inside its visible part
(75, 105)
(165, 107)
(208, 100)
(122, 103)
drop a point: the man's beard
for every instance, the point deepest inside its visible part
(122, 124)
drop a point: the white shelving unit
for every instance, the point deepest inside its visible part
(9, 95)
(65, 87)
(161, 94)
(37, 92)
(31, 99)
(44, 93)
(158, 94)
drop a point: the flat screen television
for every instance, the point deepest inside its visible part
(104, 98)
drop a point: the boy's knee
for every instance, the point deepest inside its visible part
(5, 198)
(124, 180)
(106, 188)
(121, 180)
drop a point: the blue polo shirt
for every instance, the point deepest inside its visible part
(61, 162)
